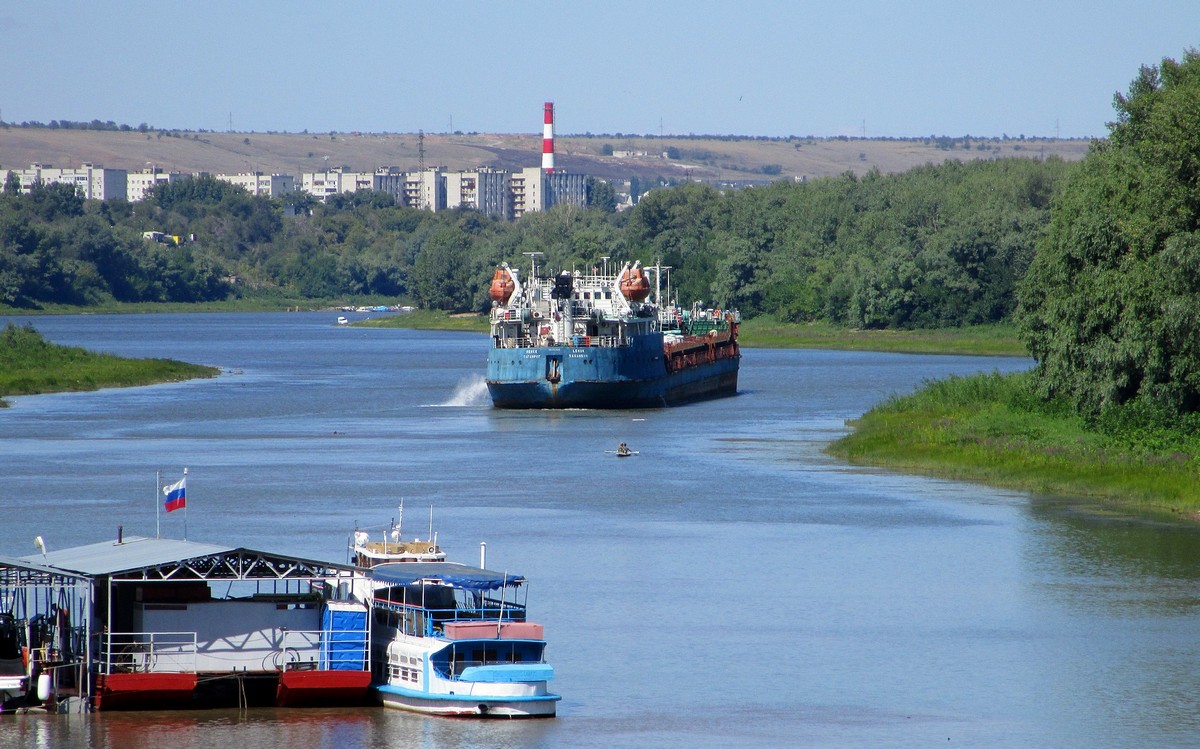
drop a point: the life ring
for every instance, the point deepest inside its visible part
(431, 549)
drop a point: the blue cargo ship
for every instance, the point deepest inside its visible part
(597, 340)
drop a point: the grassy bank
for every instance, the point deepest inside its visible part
(978, 340)
(991, 429)
(29, 365)
(426, 319)
(263, 303)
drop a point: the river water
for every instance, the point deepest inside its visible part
(729, 586)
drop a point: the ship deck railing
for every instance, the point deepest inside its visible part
(455, 668)
(577, 341)
(415, 619)
(490, 611)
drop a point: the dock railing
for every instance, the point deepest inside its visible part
(148, 652)
(280, 650)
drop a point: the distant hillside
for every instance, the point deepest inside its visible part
(709, 158)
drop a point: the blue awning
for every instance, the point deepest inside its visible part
(452, 573)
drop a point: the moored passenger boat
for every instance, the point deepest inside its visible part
(454, 640)
(598, 340)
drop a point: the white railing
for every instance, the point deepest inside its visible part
(282, 650)
(149, 652)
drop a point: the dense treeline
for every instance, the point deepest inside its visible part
(1110, 308)
(938, 246)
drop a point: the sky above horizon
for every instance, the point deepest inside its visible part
(673, 67)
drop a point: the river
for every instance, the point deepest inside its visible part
(731, 585)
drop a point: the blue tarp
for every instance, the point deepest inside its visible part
(458, 575)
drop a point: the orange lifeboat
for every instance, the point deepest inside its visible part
(633, 284)
(502, 286)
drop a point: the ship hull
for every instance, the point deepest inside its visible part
(634, 376)
(469, 705)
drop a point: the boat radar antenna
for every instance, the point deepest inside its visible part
(659, 270)
(533, 256)
(40, 543)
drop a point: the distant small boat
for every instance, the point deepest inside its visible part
(342, 320)
(623, 451)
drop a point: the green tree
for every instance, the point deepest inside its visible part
(443, 274)
(601, 195)
(1109, 308)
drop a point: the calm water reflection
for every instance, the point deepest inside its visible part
(732, 585)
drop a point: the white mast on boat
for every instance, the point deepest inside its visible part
(398, 529)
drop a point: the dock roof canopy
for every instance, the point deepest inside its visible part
(141, 558)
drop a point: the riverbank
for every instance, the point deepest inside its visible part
(765, 332)
(991, 429)
(975, 340)
(30, 365)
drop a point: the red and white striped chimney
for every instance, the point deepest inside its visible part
(548, 139)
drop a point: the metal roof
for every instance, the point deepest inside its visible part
(13, 563)
(132, 553)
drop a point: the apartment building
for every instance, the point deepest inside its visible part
(485, 190)
(257, 183)
(139, 183)
(91, 182)
(333, 181)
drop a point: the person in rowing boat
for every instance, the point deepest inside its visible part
(623, 450)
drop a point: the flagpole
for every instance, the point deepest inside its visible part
(157, 493)
(185, 508)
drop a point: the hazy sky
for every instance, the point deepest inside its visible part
(839, 67)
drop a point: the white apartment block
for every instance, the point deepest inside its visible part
(532, 190)
(333, 181)
(90, 182)
(139, 183)
(425, 190)
(257, 183)
(485, 190)
(494, 192)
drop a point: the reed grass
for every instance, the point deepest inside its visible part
(991, 429)
(30, 365)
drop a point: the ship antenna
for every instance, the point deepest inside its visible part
(533, 256)
(430, 522)
(503, 591)
(400, 525)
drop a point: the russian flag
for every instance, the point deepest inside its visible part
(176, 495)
